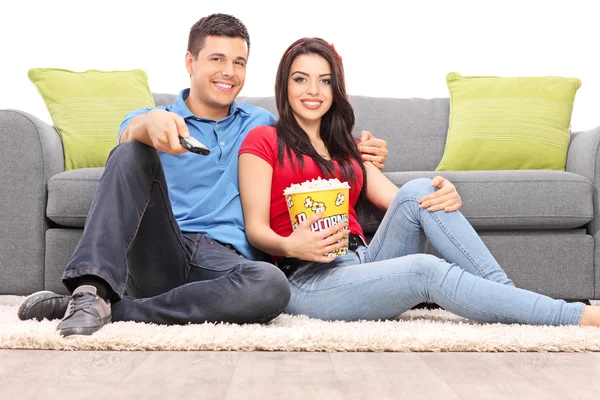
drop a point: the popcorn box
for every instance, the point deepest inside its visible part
(311, 197)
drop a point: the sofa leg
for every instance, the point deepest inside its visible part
(433, 306)
(428, 306)
(586, 302)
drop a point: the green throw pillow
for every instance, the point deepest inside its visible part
(508, 123)
(87, 109)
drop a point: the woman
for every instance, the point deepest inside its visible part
(391, 275)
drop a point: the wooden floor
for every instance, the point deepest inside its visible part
(26, 374)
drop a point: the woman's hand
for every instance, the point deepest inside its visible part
(446, 198)
(312, 246)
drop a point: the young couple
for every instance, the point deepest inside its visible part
(168, 228)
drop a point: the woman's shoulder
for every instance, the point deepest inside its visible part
(262, 133)
(260, 139)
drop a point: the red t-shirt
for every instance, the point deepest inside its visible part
(262, 142)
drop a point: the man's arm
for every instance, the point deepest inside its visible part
(158, 128)
(136, 131)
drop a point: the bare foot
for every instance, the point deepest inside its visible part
(591, 316)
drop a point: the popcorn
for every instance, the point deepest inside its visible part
(316, 184)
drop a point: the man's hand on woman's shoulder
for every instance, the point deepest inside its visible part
(373, 149)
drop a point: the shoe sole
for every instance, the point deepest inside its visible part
(79, 331)
(26, 305)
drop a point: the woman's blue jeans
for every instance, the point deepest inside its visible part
(392, 274)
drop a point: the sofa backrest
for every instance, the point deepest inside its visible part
(415, 129)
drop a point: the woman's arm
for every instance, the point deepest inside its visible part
(255, 193)
(255, 176)
(380, 190)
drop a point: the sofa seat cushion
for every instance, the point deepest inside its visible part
(70, 196)
(491, 199)
(525, 199)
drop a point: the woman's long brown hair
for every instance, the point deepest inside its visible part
(336, 124)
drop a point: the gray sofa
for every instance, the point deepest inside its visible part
(540, 225)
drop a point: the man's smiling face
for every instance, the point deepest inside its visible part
(218, 73)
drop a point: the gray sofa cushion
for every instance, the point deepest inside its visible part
(163, 99)
(70, 196)
(410, 126)
(532, 199)
(492, 199)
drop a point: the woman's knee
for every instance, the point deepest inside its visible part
(416, 188)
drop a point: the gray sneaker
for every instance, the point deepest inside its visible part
(87, 312)
(43, 305)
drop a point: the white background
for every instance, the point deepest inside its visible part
(402, 52)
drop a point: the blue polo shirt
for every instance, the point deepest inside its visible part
(204, 190)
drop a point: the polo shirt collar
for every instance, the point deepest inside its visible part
(179, 107)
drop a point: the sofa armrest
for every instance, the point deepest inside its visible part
(584, 152)
(583, 159)
(30, 153)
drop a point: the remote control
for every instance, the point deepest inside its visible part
(194, 145)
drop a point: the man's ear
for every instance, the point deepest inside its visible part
(189, 63)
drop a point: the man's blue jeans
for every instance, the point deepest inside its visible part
(391, 275)
(132, 241)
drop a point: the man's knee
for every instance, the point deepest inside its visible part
(132, 154)
(270, 292)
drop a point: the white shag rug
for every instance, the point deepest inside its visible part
(417, 330)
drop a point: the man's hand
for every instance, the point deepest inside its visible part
(164, 129)
(373, 149)
(446, 198)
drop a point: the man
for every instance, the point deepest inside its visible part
(167, 226)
